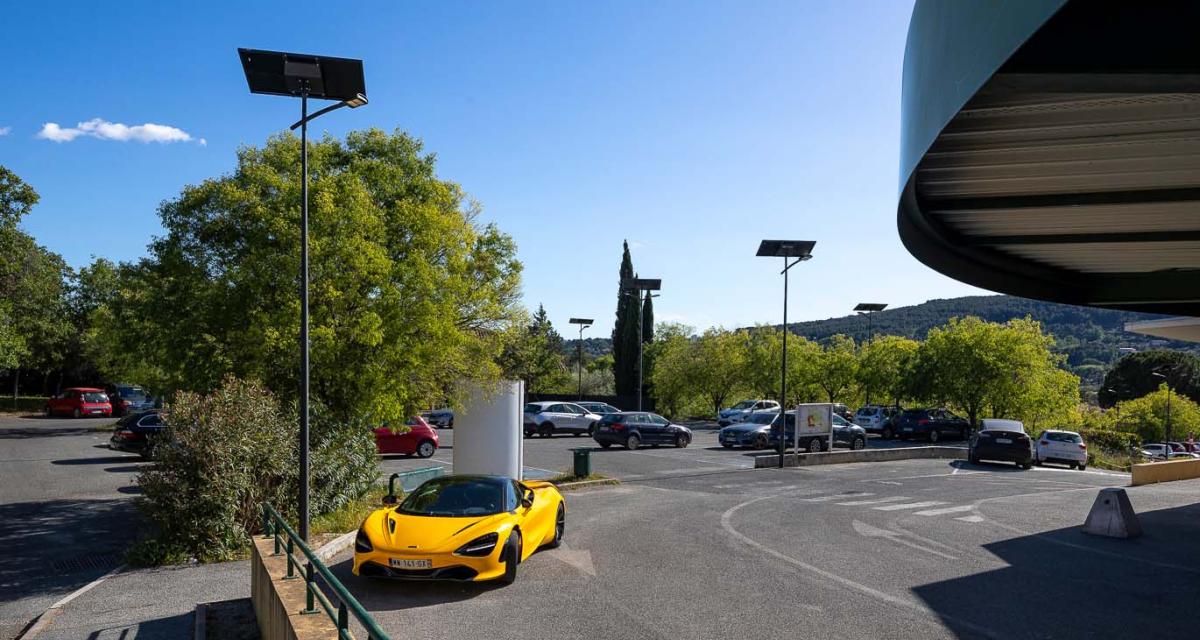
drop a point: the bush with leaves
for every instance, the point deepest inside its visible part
(227, 452)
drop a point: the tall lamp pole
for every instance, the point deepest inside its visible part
(583, 324)
(867, 309)
(1167, 428)
(801, 250)
(305, 76)
(635, 287)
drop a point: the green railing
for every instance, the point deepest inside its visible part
(275, 526)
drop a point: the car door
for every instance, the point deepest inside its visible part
(579, 418)
(662, 428)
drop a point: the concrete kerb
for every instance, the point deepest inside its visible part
(862, 455)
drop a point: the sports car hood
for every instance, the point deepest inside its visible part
(431, 533)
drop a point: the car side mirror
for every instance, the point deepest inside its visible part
(391, 499)
(527, 499)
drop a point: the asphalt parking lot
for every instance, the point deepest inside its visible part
(907, 549)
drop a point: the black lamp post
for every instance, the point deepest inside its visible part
(305, 76)
(866, 309)
(583, 324)
(636, 286)
(801, 250)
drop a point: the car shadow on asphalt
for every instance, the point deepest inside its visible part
(21, 433)
(129, 468)
(79, 461)
(382, 594)
(1067, 584)
(55, 546)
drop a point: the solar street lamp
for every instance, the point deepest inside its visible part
(636, 286)
(304, 76)
(800, 250)
(583, 324)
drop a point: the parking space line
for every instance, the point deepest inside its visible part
(971, 519)
(945, 510)
(910, 505)
(955, 473)
(835, 497)
(878, 501)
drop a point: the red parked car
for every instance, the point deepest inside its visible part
(79, 402)
(420, 439)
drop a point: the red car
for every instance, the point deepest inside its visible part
(420, 439)
(80, 402)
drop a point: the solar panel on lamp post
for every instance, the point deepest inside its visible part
(305, 76)
(583, 324)
(637, 286)
(868, 308)
(801, 250)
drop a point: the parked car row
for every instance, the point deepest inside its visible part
(93, 402)
(761, 431)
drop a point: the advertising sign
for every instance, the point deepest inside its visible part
(813, 420)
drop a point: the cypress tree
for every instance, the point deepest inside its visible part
(624, 335)
(648, 319)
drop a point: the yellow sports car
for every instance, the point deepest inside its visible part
(460, 528)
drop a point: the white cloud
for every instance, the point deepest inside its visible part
(105, 130)
(5, 131)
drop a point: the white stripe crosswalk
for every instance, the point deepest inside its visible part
(909, 505)
(856, 503)
(945, 510)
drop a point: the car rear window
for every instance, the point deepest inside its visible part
(132, 393)
(611, 417)
(533, 408)
(868, 411)
(1063, 437)
(94, 397)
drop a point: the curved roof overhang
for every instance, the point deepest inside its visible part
(1051, 149)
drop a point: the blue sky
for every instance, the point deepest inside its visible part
(693, 129)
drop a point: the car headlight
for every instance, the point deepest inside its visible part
(479, 547)
(362, 542)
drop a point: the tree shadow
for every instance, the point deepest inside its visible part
(43, 540)
(171, 627)
(23, 433)
(131, 468)
(1067, 584)
(80, 461)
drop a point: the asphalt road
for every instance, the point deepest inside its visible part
(66, 511)
(909, 549)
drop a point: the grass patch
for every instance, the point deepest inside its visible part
(1100, 459)
(565, 478)
(350, 517)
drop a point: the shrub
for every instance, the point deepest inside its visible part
(229, 452)
(1110, 440)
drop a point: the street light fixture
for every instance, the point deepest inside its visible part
(305, 76)
(801, 250)
(636, 286)
(583, 324)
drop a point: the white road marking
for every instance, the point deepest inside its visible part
(971, 519)
(879, 501)
(933, 475)
(43, 620)
(909, 505)
(581, 559)
(840, 496)
(727, 518)
(868, 531)
(945, 510)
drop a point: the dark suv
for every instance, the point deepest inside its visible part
(1001, 440)
(931, 424)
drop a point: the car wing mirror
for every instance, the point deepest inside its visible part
(527, 499)
(391, 499)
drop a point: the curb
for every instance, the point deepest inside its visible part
(43, 620)
(861, 455)
(335, 546)
(586, 483)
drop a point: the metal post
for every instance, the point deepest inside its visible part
(870, 337)
(783, 372)
(304, 316)
(579, 356)
(639, 304)
(1168, 427)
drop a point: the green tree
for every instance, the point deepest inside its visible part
(675, 361)
(836, 367)
(409, 293)
(534, 354)
(1133, 376)
(883, 366)
(1147, 416)
(717, 365)
(625, 332)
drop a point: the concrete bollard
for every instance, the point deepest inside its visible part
(1112, 516)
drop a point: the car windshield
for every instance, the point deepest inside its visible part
(132, 393)
(868, 411)
(92, 396)
(840, 421)
(1062, 437)
(452, 496)
(744, 404)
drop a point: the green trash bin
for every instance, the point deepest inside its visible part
(583, 462)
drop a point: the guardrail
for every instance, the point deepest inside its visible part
(275, 526)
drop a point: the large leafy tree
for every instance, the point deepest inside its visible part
(1133, 376)
(883, 366)
(836, 367)
(625, 332)
(409, 292)
(717, 365)
(34, 323)
(674, 358)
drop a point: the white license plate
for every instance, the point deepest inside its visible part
(400, 563)
(97, 410)
(1003, 441)
(907, 429)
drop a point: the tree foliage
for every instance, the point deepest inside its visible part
(409, 293)
(884, 365)
(1133, 376)
(836, 368)
(534, 354)
(625, 332)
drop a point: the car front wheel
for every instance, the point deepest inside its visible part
(632, 442)
(512, 557)
(560, 527)
(682, 440)
(934, 436)
(858, 443)
(76, 414)
(887, 433)
(546, 430)
(426, 449)
(814, 445)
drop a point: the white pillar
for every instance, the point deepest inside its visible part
(487, 431)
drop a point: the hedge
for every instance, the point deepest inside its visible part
(24, 404)
(1109, 440)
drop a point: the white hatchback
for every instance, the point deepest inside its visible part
(1064, 447)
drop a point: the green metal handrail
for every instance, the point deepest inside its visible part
(273, 524)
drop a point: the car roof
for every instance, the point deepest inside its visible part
(88, 389)
(997, 424)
